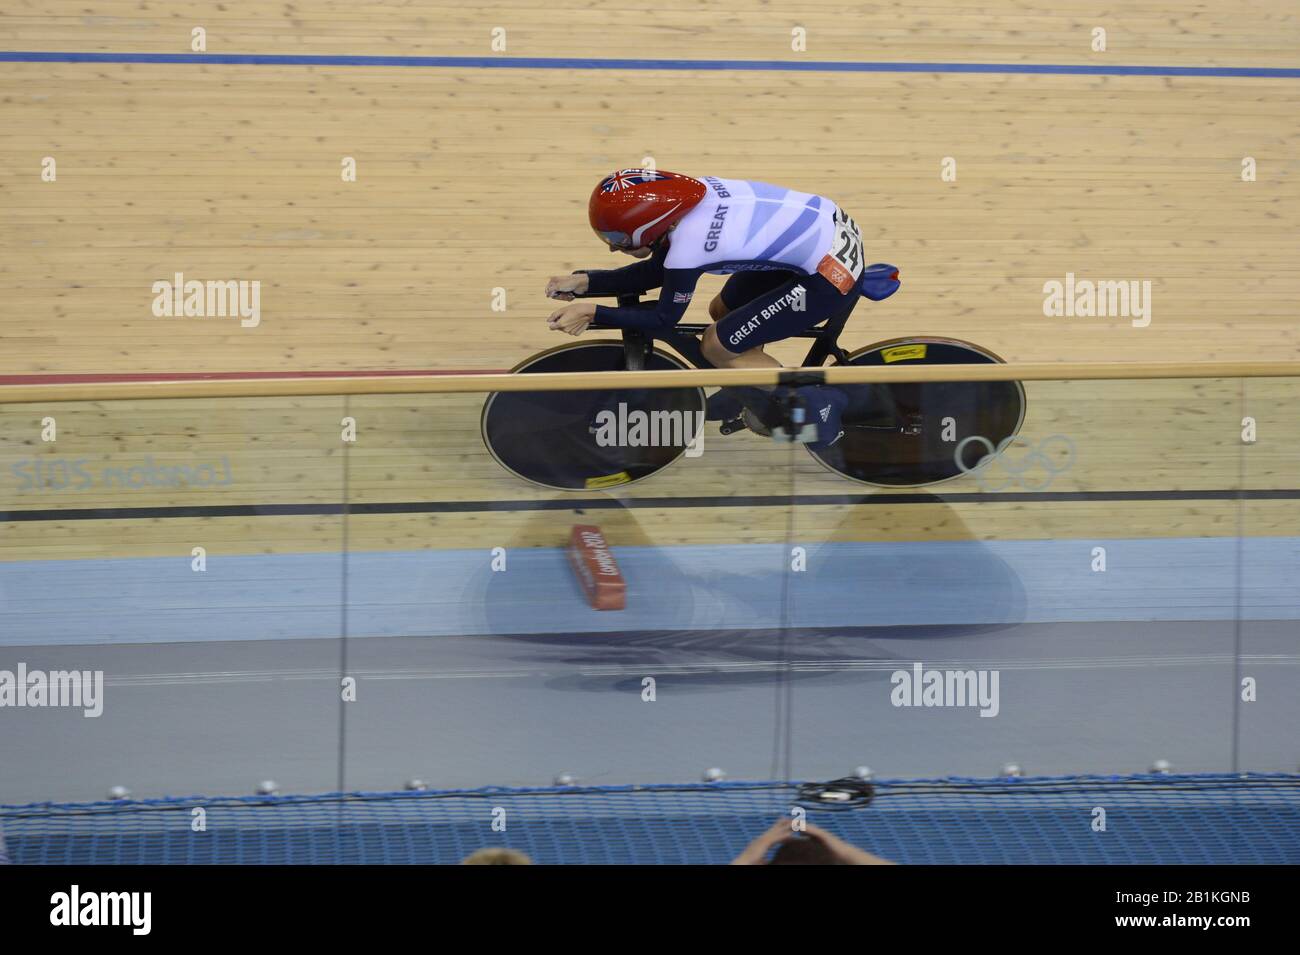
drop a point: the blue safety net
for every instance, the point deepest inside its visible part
(1157, 819)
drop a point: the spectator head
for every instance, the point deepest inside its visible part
(497, 857)
(803, 851)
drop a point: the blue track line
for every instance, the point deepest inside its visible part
(591, 63)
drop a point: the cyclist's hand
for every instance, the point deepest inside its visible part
(564, 287)
(572, 319)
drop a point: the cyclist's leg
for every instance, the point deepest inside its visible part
(740, 289)
(738, 340)
(744, 287)
(801, 301)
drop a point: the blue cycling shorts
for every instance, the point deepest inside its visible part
(765, 307)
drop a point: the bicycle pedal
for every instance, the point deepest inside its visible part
(732, 425)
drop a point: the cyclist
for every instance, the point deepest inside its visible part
(794, 260)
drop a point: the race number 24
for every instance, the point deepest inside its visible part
(848, 243)
(842, 266)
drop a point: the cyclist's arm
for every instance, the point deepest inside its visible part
(674, 296)
(640, 276)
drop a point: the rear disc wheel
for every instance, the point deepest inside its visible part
(870, 452)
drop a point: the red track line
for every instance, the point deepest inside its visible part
(229, 376)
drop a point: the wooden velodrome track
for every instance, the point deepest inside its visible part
(473, 179)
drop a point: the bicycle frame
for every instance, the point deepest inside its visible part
(684, 339)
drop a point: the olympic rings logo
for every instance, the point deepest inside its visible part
(1033, 471)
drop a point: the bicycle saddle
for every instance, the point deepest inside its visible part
(879, 281)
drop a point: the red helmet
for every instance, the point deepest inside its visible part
(633, 208)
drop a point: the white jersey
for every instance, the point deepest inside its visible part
(741, 225)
